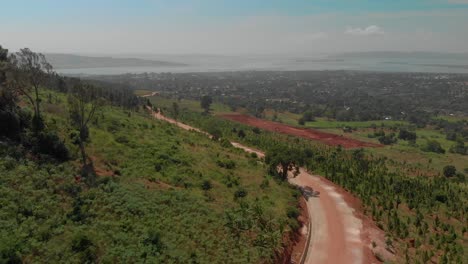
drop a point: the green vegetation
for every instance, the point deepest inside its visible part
(420, 213)
(158, 194)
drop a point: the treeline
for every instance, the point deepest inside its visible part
(427, 216)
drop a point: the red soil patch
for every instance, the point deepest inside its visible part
(327, 138)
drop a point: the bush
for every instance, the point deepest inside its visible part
(215, 132)
(9, 250)
(227, 164)
(459, 148)
(49, 143)
(80, 242)
(301, 121)
(154, 242)
(240, 193)
(241, 133)
(10, 127)
(407, 135)
(433, 146)
(122, 140)
(293, 212)
(387, 139)
(206, 185)
(225, 143)
(449, 171)
(85, 248)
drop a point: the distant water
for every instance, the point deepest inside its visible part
(261, 63)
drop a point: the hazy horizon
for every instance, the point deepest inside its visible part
(234, 28)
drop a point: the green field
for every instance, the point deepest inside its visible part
(186, 104)
(142, 92)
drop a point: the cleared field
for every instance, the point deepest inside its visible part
(327, 138)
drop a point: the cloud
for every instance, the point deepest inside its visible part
(370, 30)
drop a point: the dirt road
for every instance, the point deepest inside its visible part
(336, 235)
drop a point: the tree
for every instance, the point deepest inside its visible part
(175, 110)
(282, 159)
(301, 121)
(31, 72)
(308, 116)
(7, 98)
(82, 106)
(9, 118)
(449, 171)
(206, 102)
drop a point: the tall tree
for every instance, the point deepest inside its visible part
(83, 104)
(8, 118)
(175, 110)
(32, 70)
(206, 102)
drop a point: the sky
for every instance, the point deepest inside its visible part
(235, 26)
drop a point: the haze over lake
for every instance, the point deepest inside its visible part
(378, 61)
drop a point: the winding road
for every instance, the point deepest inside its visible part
(336, 234)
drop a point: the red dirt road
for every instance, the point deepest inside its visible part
(327, 138)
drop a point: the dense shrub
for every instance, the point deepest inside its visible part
(10, 127)
(449, 171)
(227, 164)
(49, 143)
(206, 185)
(433, 146)
(240, 193)
(407, 135)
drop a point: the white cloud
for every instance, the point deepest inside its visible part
(370, 30)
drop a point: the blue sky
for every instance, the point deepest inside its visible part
(241, 26)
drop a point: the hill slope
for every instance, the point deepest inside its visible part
(163, 195)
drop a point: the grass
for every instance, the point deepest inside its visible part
(186, 104)
(324, 123)
(452, 118)
(148, 205)
(405, 152)
(142, 92)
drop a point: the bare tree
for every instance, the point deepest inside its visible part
(83, 104)
(31, 72)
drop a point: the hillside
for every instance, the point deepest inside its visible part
(161, 195)
(70, 61)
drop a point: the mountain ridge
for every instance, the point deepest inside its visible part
(72, 61)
